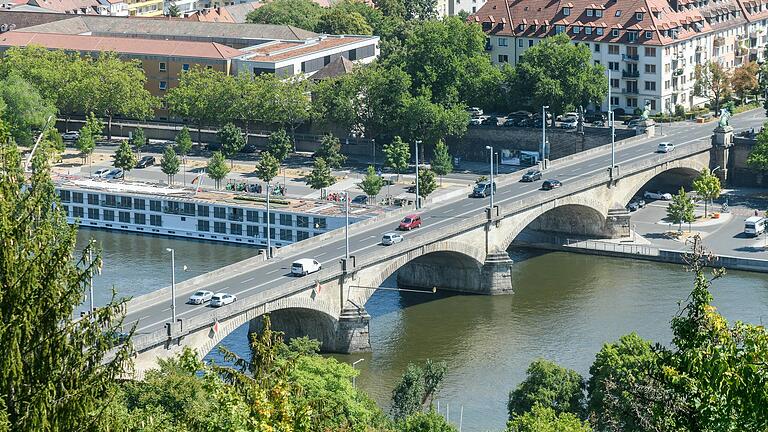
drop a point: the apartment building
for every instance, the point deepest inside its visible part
(650, 47)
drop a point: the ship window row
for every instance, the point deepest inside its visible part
(251, 230)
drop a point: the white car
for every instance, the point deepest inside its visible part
(475, 111)
(304, 267)
(100, 173)
(70, 136)
(116, 173)
(568, 117)
(391, 238)
(657, 196)
(200, 297)
(665, 147)
(476, 121)
(569, 124)
(222, 299)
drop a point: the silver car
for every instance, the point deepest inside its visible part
(391, 238)
(200, 297)
(222, 299)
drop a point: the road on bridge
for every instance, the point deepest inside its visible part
(153, 317)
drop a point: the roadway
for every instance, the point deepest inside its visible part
(368, 238)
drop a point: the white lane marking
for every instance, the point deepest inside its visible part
(247, 280)
(320, 254)
(274, 271)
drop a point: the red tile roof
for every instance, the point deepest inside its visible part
(81, 43)
(273, 52)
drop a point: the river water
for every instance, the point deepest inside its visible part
(564, 308)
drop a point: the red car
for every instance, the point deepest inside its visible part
(410, 222)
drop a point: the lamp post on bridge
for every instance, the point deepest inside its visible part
(173, 284)
(269, 229)
(416, 144)
(544, 109)
(491, 185)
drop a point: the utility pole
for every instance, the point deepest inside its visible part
(543, 133)
(346, 224)
(417, 172)
(613, 131)
(491, 185)
(173, 284)
(269, 234)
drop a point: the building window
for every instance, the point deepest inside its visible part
(220, 212)
(139, 219)
(77, 212)
(597, 62)
(530, 42)
(614, 100)
(615, 32)
(639, 16)
(203, 225)
(93, 213)
(203, 210)
(109, 215)
(286, 234)
(156, 220)
(566, 11)
(124, 217)
(236, 229)
(138, 204)
(65, 195)
(598, 13)
(632, 36)
(650, 68)
(648, 35)
(615, 82)
(301, 235)
(559, 29)
(632, 102)
(220, 227)
(252, 230)
(319, 223)
(652, 102)
(618, 13)
(185, 67)
(93, 199)
(302, 221)
(503, 42)
(599, 31)
(252, 216)
(588, 30)
(77, 197)
(163, 67)
(520, 43)
(503, 58)
(155, 206)
(614, 66)
(286, 219)
(597, 46)
(271, 232)
(613, 49)
(650, 52)
(576, 29)
(590, 12)
(650, 85)
(163, 85)
(271, 217)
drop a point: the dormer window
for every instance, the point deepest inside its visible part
(648, 35)
(639, 16)
(598, 13)
(576, 29)
(566, 11)
(615, 32)
(618, 13)
(590, 12)
(521, 27)
(559, 29)
(632, 36)
(599, 31)
(588, 30)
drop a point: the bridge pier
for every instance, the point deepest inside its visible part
(352, 333)
(495, 275)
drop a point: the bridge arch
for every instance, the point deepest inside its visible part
(669, 180)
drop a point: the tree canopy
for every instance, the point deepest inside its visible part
(304, 14)
(372, 183)
(681, 209)
(320, 177)
(24, 109)
(169, 163)
(713, 82)
(217, 168)
(397, 155)
(550, 386)
(267, 167)
(124, 157)
(279, 145)
(707, 187)
(330, 151)
(232, 141)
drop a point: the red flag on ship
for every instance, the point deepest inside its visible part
(195, 180)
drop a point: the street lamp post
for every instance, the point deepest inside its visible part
(173, 284)
(346, 225)
(269, 233)
(491, 185)
(610, 121)
(417, 172)
(353, 367)
(543, 133)
(373, 144)
(90, 279)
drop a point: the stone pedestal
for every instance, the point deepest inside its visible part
(495, 277)
(722, 141)
(617, 223)
(352, 331)
(647, 127)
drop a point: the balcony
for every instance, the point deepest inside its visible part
(630, 74)
(718, 42)
(630, 90)
(740, 52)
(630, 57)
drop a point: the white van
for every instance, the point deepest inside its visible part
(304, 267)
(754, 226)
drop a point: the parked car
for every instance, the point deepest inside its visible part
(630, 120)
(491, 120)
(632, 206)
(476, 121)
(360, 199)
(200, 297)
(146, 161)
(99, 173)
(657, 196)
(305, 266)
(222, 299)
(519, 115)
(391, 238)
(634, 123)
(70, 136)
(475, 111)
(569, 124)
(511, 121)
(482, 189)
(639, 201)
(595, 117)
(410, 222)
(551, 184)
(568, 116)
(116, 173)
(665, 147)
(531, 176)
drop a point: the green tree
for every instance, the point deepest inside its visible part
(279, 145)
(758, 156)
(338, 22)
(545, 419)
(56, 370)
(169, 163)
(289, 103)
(551, 386)
(432, 122)
(330, 151)
(174, 11)
(745, 79)
(320, 177)
(232, 141)
(199, 97)
(397, 154)
(183, 147)
(558, 73)
(124, 158)
(416, 387)
(89, 133)
(25, 109)
(138, 140)
(54, 143)
(429, 421)
(372, 183)
(217, 168)
(267, 167)
(707, 186)
(427, 183)
(681, 209)
(442, 163)
(303, 14)
(121, 90)
(713, 82)
(619, 369)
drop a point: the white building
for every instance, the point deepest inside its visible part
(651, 46)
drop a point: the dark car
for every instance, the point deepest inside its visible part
(492, 120)
(630, 120)
(551, 184)
(482, 189)
(595, 117)
(360, 199)
(146, 161)
(531, 176)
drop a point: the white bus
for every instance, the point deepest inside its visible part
(754, 226)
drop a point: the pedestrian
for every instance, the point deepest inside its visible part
(755, 212)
